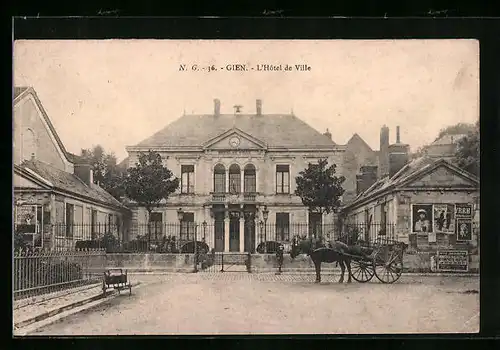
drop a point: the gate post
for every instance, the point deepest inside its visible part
(195, 250)
(222, 262)
(249, 262)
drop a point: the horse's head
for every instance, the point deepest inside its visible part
(300, 246)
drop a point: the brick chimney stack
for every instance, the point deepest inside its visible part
(258, 106)
(383, 168)
(216, 107)
(366, 178)
(399, 155)
(84, 172)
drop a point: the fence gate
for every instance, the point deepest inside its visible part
(225, 262)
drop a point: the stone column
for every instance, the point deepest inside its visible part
(256, 180)
(242, 232)
(226, 186)
(242, 181)
(226, 230)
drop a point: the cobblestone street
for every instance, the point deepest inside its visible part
(241, 303)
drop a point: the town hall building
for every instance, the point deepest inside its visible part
(237, 171)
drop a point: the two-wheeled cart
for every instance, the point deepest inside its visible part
(382, 258)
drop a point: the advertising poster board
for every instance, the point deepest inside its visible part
(464, 230)
(422, 218)
(444, 218)
(452, 261)
(463, 211)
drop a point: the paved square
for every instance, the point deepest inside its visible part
(241, 303)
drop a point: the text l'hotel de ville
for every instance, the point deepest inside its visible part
(301, 67)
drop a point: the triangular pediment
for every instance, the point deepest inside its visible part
(443, 176)
(234, 139)
(28, 182)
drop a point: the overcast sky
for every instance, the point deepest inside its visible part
(118, 92)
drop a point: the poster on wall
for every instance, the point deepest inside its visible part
(464, 230)
(463, 211)
(422, 218)
(26, 219)
(444, 218)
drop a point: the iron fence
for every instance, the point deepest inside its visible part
(63, 237)
(38, 272)
(179, 237)
(233, 236)
(367, 233)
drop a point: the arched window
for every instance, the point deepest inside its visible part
(249, 180)
(234, 179)
(28, 144)
(219, 179)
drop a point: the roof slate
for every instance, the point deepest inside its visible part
(70, 182)
(409, 169)
(276, 130)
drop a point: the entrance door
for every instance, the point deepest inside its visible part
(219, 232)
(250, 233)
(234, 233)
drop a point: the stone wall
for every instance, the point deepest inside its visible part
(151, 262)
(412, 263)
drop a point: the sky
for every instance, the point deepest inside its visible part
(117, 93)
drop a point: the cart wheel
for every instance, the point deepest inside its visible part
(362, 271)
(388, 270)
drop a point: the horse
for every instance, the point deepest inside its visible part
(319, 253)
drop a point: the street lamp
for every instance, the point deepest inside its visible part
(265, 216)
(204, 230)
(180, 216)
(261, 226)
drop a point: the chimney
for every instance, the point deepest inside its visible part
(84, 172)
(399, 155)
(328, 134)
(366, 178)
(216, 107)
(383, 167)
(258, 106)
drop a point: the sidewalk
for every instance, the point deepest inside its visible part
(26, 313)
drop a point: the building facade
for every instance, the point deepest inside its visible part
(237, 170)
(56, 201)
(428, 203)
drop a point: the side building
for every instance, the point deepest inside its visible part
(428, 203)
(56, 202)
(237, 174)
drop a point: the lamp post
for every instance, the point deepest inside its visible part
(204, 230)
(265, 215)
(180, 216)
(261, 226)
